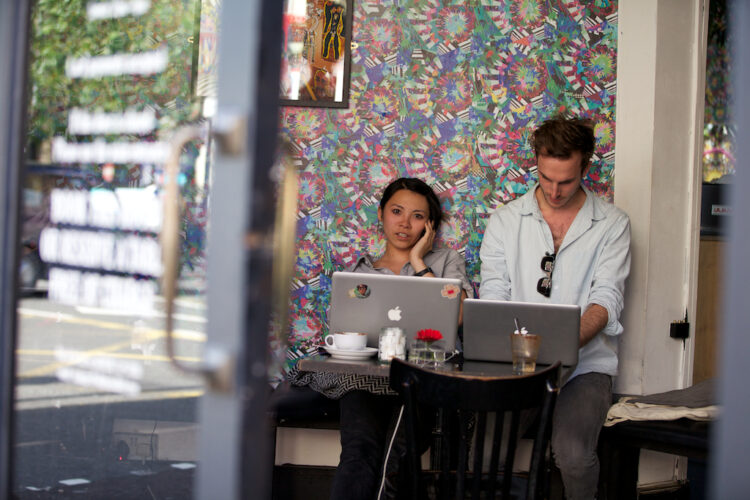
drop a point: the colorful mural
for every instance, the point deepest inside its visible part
(447, 91)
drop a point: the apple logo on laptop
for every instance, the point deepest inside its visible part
(394, 314)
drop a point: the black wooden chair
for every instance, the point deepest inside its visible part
(471, 398)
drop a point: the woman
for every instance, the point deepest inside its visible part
(410, 215)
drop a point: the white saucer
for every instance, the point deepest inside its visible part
(357, 354)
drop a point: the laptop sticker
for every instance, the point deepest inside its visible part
(361, 291)
(450, 291)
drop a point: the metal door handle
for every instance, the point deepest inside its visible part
(284, 243)
(217, 368)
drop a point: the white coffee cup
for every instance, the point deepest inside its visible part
(347, 341)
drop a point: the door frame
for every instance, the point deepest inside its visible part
(730, 439)
(234, 438)
(14, 24)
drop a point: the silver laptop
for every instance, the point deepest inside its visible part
(488, 324)
(362, 302)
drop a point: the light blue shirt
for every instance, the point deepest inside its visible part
(591, 266)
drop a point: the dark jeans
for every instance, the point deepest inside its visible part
(580, 412)
(367, 421)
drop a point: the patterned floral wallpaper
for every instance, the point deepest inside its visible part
(447, 91)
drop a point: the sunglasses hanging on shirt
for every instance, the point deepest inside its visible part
(544, 285)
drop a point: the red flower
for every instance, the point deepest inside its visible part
(429, 335)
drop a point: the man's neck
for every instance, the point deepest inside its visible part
(559, 219)
(570, 208)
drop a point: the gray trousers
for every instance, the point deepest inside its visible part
(580, 412)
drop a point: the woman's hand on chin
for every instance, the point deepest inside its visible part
(421, 247)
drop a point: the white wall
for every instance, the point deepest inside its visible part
(660, 82)
(299, 446)
(660, 95)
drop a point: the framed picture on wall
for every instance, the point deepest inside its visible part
(316, 53)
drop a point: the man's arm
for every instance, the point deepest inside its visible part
(494, 271)
(608, 287)
(592, 322)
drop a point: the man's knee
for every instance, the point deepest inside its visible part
(574, 460)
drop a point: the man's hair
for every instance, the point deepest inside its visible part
(560, 137)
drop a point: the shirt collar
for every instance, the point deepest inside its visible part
(367, 260)
(364, 259)
(589, 210)
(529, 205)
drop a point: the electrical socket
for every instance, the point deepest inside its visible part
(679, 329)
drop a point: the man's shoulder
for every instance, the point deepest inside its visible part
(515, 207)
(608, 210)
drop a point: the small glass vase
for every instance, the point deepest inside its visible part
(422, 352)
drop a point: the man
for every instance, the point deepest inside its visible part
(559, 243)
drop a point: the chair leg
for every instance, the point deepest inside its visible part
(445, 454)
(272, 426)
(497, 441)
(555, 488)
(478, 455)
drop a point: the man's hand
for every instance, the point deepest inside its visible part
(593, 321)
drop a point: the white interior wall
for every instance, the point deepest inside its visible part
(636, 83)
(302, 446)
(661, 70)
(660, 96)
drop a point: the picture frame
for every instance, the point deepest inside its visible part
(316, 53)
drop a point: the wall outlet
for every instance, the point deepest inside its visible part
(679, 329)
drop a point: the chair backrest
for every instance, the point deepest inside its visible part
(470, 399)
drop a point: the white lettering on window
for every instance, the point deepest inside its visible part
(133, 254)
(143, 63)
(117, 8)
(130, 209)
(82, 122)
(104, 209)
(68, 206)
(75, 287)
(101, 152)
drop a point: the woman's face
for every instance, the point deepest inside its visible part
(404, 218)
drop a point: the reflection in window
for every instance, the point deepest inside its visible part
(718, 131)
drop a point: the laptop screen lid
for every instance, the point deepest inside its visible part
(364, 302)
(488, 324)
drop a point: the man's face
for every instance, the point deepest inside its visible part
(559, 179)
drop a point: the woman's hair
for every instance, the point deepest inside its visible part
(560, 137)
(419, 187)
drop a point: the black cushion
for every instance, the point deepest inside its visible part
(303, 407)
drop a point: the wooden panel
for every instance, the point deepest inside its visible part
(708, 321)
